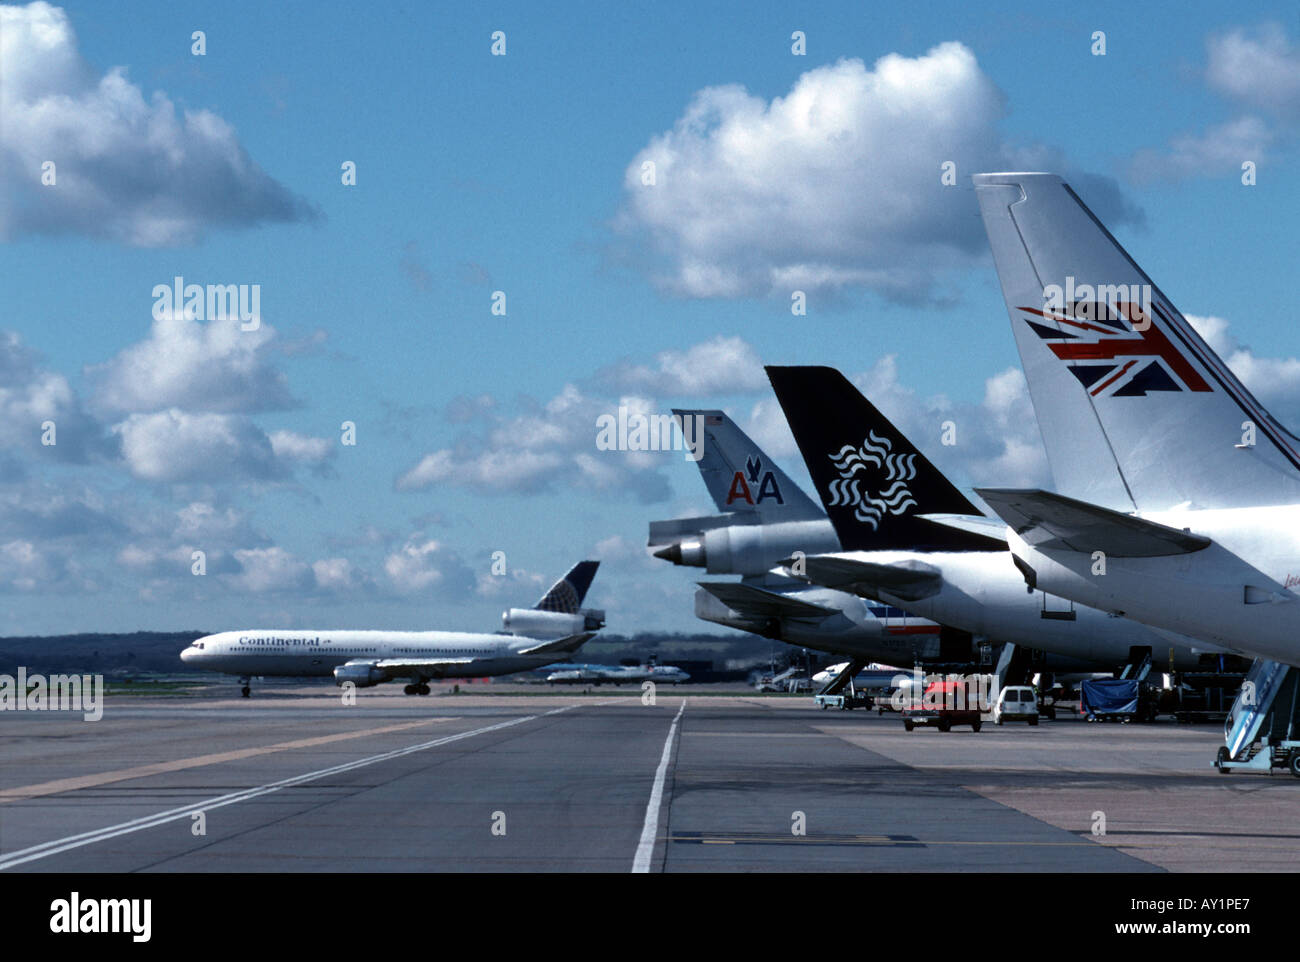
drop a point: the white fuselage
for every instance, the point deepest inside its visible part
(318, 653)
(982, 593)
(1238, 593)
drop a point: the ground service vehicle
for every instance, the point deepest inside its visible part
(943, 705)
(1016, 703)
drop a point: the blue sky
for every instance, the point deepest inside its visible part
(475, 173)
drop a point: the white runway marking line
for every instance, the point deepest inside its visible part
(46, 849)
(59, 785)
(641, 863)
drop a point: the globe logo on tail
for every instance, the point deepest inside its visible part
(852, 464)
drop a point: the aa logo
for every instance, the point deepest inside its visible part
(745, 483)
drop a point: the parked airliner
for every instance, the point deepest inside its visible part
(880, 492)
(1178, 497)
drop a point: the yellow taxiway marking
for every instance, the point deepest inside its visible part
(197, 761)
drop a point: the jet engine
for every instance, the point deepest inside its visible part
(534, 623)
(363, 674)
(750, 549)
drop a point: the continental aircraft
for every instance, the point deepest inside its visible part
(557, 626)
(764, 516)
(881, 494)
(1179, 499)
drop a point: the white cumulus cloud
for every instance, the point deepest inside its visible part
(176, 445)
(1259, 68)
(185, 363)
(837, 184)
(128, 168)
(723, 365)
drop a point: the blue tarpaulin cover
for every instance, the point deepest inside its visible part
(1109, 696)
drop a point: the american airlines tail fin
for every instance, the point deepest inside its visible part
(566, 595)
(741, 479)
(1135, 409)
(872, 481)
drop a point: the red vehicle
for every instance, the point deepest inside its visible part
(939, 707)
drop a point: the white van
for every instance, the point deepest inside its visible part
(1016, 703)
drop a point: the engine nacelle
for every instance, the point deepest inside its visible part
(533, 623)
(751, 549)
(363, 674)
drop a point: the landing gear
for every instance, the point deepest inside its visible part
(247, 687)
(419, 689)
(1222, 757)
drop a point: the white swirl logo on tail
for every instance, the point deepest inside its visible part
(898, 469)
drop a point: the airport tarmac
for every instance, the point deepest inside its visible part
(293, 780)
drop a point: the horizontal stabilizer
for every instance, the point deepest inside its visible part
(1055, 522)
(758, 602)
(908, 580)
(569, 643)
(973, 523)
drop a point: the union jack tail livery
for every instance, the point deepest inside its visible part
(1136, 411)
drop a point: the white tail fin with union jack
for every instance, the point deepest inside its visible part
(1136, 410)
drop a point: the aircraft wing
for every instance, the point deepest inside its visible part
(1053, 521)
(750, 600)
(401, 667)
(907, 580)
(569, 643)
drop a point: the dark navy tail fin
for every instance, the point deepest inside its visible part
(871, 479)
(566, 594)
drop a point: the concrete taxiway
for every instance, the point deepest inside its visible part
(293, 780)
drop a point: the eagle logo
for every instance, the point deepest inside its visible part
(852, 464)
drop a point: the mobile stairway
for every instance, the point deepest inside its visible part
(1262, 730)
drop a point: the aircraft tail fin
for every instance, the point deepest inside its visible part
(741, 478)
(1136, 410)
(872, 481)
(566, 595)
